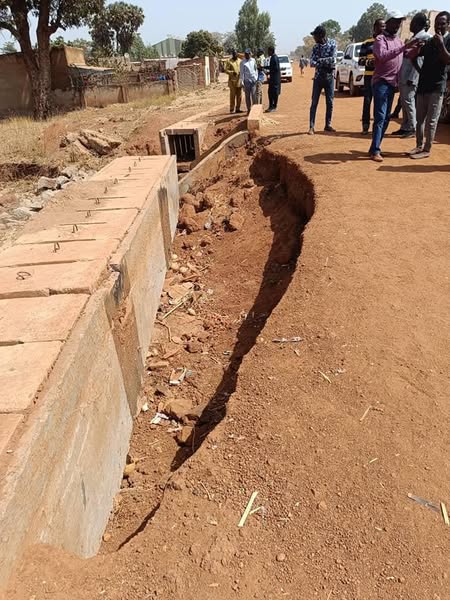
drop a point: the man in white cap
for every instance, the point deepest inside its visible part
(388, 51)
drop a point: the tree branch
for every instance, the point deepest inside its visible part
(9, 27)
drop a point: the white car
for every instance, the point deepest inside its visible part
(285, 67)
(348, 72)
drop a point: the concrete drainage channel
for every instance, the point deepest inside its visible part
(276, 189)
(80, 291)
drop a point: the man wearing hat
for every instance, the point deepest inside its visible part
(323, 58)
(388, 51)
(260, 60)
(249, 77)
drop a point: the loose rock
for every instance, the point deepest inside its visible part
(178, 409)
(46, 183)
(236, 222)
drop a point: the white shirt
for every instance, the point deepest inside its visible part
(249, 72)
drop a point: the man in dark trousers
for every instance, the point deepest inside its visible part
(323, 58)
(274, 80)
(432, 85)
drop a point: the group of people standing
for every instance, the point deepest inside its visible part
(249, 74)
(418, 69)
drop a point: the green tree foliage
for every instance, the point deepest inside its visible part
(140, 51)
(229, 41)
(8, 48)
(253, 27)
(102, 35)
(47, 16)
(364, 27)
(332, 28)
(114, 29)
(125, 20)
(200, 43)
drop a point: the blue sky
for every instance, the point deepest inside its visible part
(291, 20)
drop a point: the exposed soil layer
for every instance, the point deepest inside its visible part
(334, 431)
(14, 171)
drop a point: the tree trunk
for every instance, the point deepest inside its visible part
(37, 62)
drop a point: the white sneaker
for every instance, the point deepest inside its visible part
(417, 150)
(419, 155)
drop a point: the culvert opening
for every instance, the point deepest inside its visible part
(183, 146)
(250, 271)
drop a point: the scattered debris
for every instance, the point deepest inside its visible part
(325, 376)
(178, 376)
(158, 418)
(281, 557)
(292, 340)
(248, 509)
(129, 469)
(366, 412)
(425, 503)
(444, 513)
(145, 408)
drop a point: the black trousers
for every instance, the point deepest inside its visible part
(274, 92)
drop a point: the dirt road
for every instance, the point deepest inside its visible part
(334, 431)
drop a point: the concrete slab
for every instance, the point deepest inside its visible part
(120, 168)
(100, 225)
(39, 319)
(45, 280)
(141, 264)
(24, 369)
(254, 118)
(8, 426)
(21, 255)
(59, 484)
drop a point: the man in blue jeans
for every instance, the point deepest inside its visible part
(388, 51)
(323, 58)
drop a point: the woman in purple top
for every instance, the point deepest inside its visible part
(388, 51)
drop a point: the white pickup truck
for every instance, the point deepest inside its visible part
(348, 72)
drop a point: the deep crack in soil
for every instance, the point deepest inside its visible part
(284, 199)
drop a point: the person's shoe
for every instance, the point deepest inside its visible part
(376, 157)
(329, 128)
(419, 155)
(365, 131)
(311, 131)
(417, 150)
(408, 134)
(238, 112)
(399, 132)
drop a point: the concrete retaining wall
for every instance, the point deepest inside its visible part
(70, 376)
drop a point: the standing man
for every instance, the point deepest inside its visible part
(432, 85)
(388, 50)
(249, 77)
(323, 58)
(367, 59)
(233, 70)
(260, 60)
(302, 65)
(409, 78)
(274, 80)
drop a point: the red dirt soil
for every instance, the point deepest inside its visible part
(334, 431)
